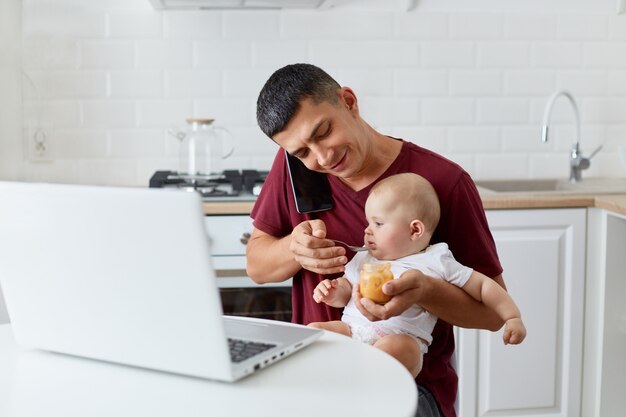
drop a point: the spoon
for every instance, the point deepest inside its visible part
(351, 247)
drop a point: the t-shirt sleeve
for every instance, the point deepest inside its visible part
(453, 271)
(271, 211)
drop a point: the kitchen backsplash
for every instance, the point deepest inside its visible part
(107, 79)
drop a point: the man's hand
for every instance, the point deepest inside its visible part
(406, 290)
(313, 251)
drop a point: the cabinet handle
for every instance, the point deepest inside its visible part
(245, 238)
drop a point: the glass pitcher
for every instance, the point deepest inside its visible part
(372, 278)
(202, 148)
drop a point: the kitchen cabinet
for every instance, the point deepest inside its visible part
(543, 255)
(604, 368)
(4, 315)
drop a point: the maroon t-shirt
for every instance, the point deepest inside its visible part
(463, 226)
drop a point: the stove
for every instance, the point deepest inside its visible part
(230, 185)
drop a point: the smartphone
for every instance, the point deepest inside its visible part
(311, 189)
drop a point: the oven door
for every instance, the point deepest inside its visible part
(240, 295)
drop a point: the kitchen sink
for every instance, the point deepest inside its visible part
(554, 186)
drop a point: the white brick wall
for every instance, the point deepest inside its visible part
(469, 81)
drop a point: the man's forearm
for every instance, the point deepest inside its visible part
(268, 259)
(455, 306)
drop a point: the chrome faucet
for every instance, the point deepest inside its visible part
(577, 162)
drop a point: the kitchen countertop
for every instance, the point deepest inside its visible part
(491, 201)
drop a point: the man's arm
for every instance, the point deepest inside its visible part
(448, 302)
(268, 258)
(275, 259)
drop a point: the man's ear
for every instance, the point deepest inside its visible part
(348, 97)
(417, 229)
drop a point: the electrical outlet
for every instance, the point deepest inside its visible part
(39, 140)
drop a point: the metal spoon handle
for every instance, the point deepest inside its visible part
(351, 247)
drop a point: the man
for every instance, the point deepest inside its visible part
(313, 118)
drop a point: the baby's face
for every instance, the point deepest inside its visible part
(388, 234)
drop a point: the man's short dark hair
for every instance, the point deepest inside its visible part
(281, 95)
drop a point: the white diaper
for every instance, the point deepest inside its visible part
(370, 334)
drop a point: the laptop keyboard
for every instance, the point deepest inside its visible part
(241, 350)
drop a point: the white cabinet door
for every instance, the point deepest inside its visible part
(604, 386)
(543, 256)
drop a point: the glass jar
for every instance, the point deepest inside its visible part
(372, 278)
(202, 147)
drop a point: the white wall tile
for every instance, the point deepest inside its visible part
(502, 111)
(557, 55)
(535, 26)
(473, 139)
(356, 54)
(337, 24)
(617, 28)
(529, 82)
(433, 138)
(582, 26)
(106, 54)
(604, 110)
(437, 54)
(475, 83)
(476, 26)
(274, 54)
(617, 82)
(503, 165)
(136, 84)
(367, 82)
(136, 143)
(605, 55)
(524, 139)
(108, 171)
(245, 25)
(192, 24)
(61, 21)
(226, 111)
(222, 54)
(421, 25)
(49, 54)
(57, 113)
(390, 111)
(135, 25)
(164, 113)
(62, 84)
(582, 83)
(108, 113)
(78, 144)
(244, 82)
(503, 55)
(154, 54)
(421, 83)
(452, 111)
(192, 83)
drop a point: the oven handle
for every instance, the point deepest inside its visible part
(242, 281)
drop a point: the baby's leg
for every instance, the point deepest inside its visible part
(405, 349)
(333, 326)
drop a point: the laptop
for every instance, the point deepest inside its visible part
(124, 275)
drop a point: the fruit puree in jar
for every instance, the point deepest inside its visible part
(373, 276)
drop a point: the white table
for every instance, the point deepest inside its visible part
(336, 376)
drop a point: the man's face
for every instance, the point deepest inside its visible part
(325, 137)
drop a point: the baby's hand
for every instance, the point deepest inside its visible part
(514, 331)
(324, 291)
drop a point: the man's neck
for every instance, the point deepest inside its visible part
(383, 151)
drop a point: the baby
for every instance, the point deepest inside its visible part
(402, 212)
